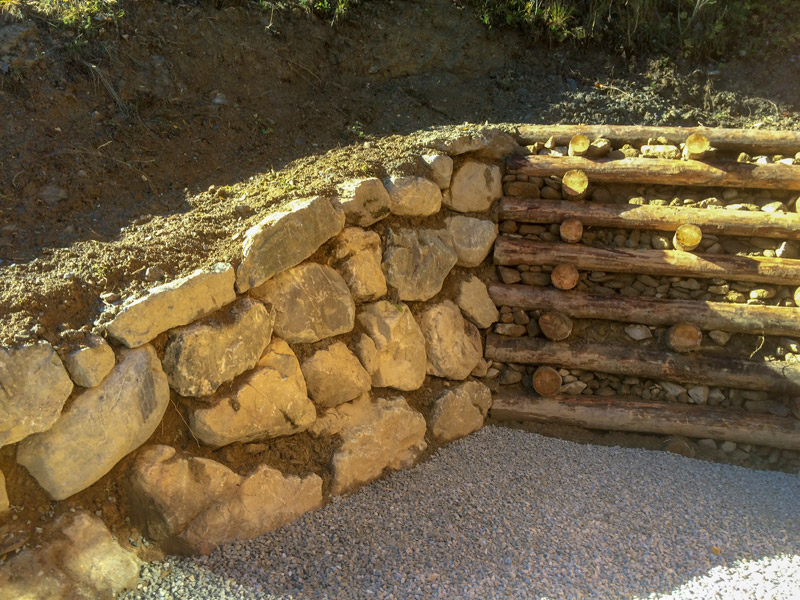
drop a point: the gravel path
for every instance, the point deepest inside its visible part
(510, 514)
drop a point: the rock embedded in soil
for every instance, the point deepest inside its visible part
(491, 143)
(4, 503)
(35, 387)
(416, 262)
(102, 425)
(311, 302)
(286, 238)
(471, 238)
(89, 365)
(391, 347)
(174, 304)
(475, 187)
(441, 168)
(453, 344)
(334, 376)
(356, 255)
(414, 196)
(270, 401)
(201, 357)
(391, 436)
(460, 411)
(364, 201)
(476, 305)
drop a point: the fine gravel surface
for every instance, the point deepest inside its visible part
(510, 514)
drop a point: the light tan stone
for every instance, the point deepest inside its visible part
(474, 301)
(89, 365)
(441, 167)
(356, 255)
(102, 425)
(453, 345)
(491, 143)
(286, 238)
(364, 201)
(414, 196)
(201, 357)
(472, 239)
(174, 304)
(416, 262)
(4, 503)
(33, 388)
(270, 401)
(335, 376)
(460, 411)
(391, 347)
(475, 187)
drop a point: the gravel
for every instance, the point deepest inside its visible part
(509, 514)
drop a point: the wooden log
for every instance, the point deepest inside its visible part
(662, 171)
(780, 377)
(565, 277)
(571, 230)
(574, 184)
(546, 381)
(697, 146)
(518, 251)
(687, 237)
(555, 325)
(755, 141)
(659, 218)
(740, 318)
(684, 337)
(625, 414)
(578, 145)
(797, 297)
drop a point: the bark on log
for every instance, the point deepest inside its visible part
(756, 141)
(662, 171)
(624, 414)
(546, 381)
(740, 318)
(687, 237)
(578, 145)
(684, 337)
(659, 218)
(780, 377)
(555, 325)
(565, 277)
(574, 184)
(517, 251)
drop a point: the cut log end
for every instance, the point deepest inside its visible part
(546, 381)
(579, 145)
(565, 277)
(574, 184)
(696, 147)
(555, 326)
(797, 297)
(684, 337)
(571, 230)
(687, 237)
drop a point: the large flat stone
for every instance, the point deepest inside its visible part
(472, 239)
(286, 238)
(453, 345)
(335, 376)
(389, 436)
(416, 262)
(33, 388)
(414, 196)
(364, 201)
(474, 301)
(311, 302)
(475, 187)
(391, 347)
(356, 255)
(201, 357)
(460, 410)
(173, 304)
(270, 401)
(102, 426)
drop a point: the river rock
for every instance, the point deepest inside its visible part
(638, 332)
(364, 201)
(33, 388)
(89, 365)
(475, 187)
(335, 376)
(356, 255)
(103, 425)
(441, 167)
(453, 345)
(201, 357)
(286, 238)
(174, 304)
(311, 302)
(474, 301)
(416, 262)
(460, 411)
(414, 196)
(270, 401)
(392, 436)
(391, 347)
(264, 501)
(472, 239)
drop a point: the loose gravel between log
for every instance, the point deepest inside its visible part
(510, 514)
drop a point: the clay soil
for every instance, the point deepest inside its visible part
(157, 140)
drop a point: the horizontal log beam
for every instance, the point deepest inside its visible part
(739, 318)
(779, 377)
(510, 251)
(758, 141)
(662, 171)
(658, 218)
(624, 414)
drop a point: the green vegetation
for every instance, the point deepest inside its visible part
(71, 14)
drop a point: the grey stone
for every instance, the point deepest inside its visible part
(391, 348)
(102, 426)
(311, 302)
(638, 332)
(356, 255)
(475, 187)
(416, 262)
(89, 365)
(472, 239)
(698, 394)
(174, 304)
(286, 238)
(673, 389)
(414, 196)
(33, 388)
(474, 301)
(574, 388)
(201, 357)
(364, 201)
(441, 167)
(460, 411)
(719, 337)
(335, 376)
(453, 345)
(270, 401)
